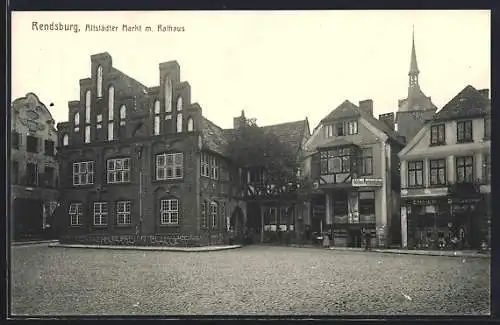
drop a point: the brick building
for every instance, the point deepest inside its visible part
(143, 160)
(33, 168)
(446, 175)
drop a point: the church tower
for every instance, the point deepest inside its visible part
(414, 110)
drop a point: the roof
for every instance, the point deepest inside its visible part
(214, 137)
(129, 81)
(467, 103)
(291, 133)
(413, 63)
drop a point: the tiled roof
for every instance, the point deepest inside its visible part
(468, 103)
(292, 133)
(214, 138)
(129, 81)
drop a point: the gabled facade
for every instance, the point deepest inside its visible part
(34, 171)
(352, 162)
(446, 175)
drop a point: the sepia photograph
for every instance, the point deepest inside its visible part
(249, 163)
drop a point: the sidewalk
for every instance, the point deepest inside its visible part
(419, 252)
(150, 248)
(34, 242)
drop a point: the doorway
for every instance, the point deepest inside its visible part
(354, 238)
(27, 218)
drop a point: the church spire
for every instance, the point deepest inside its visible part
(413, 74)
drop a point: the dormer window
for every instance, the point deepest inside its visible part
(123, 114)
(352, 127)
(339, 128)
(156, 117)
(77, 121)
(437, 134)
(464, 131)
(328, 131)
(88, 97)
(99, 81)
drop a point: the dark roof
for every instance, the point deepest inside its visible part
(468, 103)
(291, 132)
(129, 81)
(214, 138)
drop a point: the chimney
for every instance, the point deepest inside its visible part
(239, 120)
(388, 119)
(485, 93)
(367, 106)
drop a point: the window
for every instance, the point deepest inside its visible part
(32, 144)
(214, 168)
(168, 95)
(99, 121)
(111, 127)
(49, 147)
(179, 104)
(328, 131)
(14, 172)
(464, 131)
(190, 125)
(31, 174)
(367, 207)
(87, 106)
(157, 117)
(119, 170)
(487, 168)
(438, 134)
(83, 173)
(77, 121)
(179, 123)
(213, 214)
(123, 213)
(76, 214)
(352, 127)
(87, 134)
(65, 140)
(99, 81)
(415, 173)
(100, 213)
(169, 212)
(367, 161)
(339, 127)
(15, 140)
(465, 169)
(203, 215)
(49, 176)
(335, 161)
(205, 165)
(123, 114)
(438, 172)
(111, 102)
(487, 128)
(169, 166)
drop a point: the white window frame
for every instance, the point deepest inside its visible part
(352, 127)
(169, 211)
(190, 124)
(84, 172)
(100, 213)
(118, 167)
(76, 213)
(213, 214)
(214, 168)
(205, 164)
(173, 162)
(123, 212)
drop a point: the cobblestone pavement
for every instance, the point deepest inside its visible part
(254, 280)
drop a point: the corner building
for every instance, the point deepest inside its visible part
(143, 160)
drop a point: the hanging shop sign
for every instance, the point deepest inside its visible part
(367, 182)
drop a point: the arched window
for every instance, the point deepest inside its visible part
(99, 81)
(179, 122)
(123, 114)
(88, 97)
(168, 95)
(111, 102)
(190, 125)
(157, 117)
(179, 104)
(77, 121)
(65, 140)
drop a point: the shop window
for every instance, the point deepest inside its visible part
(367, 207)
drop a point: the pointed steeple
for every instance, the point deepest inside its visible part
(413, 74)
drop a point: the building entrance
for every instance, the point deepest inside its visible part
(27, 218)
(354, 238)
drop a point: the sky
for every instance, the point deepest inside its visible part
(277, 66)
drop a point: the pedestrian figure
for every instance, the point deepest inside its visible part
(368, 238)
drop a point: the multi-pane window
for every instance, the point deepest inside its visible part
(190, 124)
(437, 134)
(464, 131)
(65, 140)
(205, 165)
(123, 213)
(214, 168)
(367, 161)
(335, 161)
(416, 173)
(100, 213)
(157, 117)
(15, 137)
(328, 131)
(169, 212)
(87, 134)
(168, 95)
(118, 170)
(49, 175)
(76, 214)
(213, 214)
(99, 81)
(83, 173)
(487, 168)
(179, 122)
(49, 147)
(31, 144)
(31, 174)
(123, 114)
(99, 121)
(437, 172)
(465, 166)
(352, 127)
(487, 128)
(339, 128)
(169, 166)
(76, 120)
(203, 209)
(88, 106)
(14, 172)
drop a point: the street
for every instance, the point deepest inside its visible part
(254, 280)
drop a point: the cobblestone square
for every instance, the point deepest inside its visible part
(254, 280)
